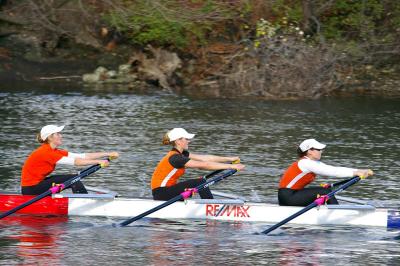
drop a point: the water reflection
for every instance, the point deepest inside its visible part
(190, 243)
(34, 240)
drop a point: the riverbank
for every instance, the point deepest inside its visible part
(242, 54)
(20, 75)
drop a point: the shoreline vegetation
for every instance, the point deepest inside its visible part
(256, 49)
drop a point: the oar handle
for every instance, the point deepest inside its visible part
(219, 170)
(337, 183)
(369, 173)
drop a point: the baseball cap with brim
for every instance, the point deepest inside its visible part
(311, 143)
(178, 133)
(46, 131)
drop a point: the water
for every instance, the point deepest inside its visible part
(359, 132)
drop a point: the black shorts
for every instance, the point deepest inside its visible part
(167, 193)
(302, 197)
(47, 183)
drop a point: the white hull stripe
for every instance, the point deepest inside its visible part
(294, 181)
(168, 177)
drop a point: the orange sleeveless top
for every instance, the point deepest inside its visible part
(296, 179)
(165, 174)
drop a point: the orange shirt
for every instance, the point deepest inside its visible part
(166, 174)
(40, 163)
(295, 178)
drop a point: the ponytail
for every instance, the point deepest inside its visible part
(166, 141)
(301, 153)
(40, 140)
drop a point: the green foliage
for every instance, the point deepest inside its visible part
(246, 8)
(354, 26)
(395, 16)
(167, 23)
(352, 19)
(287, 12)
(344, 20)
(142, 25)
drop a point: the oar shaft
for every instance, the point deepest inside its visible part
(83, 174)
(350, 182)
(213, 173)
(218, 171)
(65, 185)
(29, 202)
(306, 209)
(315, 203)
(341, 182)
(159, 207)
(181, 196)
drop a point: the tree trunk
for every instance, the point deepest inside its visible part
(307, 15)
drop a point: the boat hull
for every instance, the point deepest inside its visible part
(228, 210)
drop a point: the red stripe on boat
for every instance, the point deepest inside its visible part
(47, 205)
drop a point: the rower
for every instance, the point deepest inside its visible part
(292, 191)
(41, 163)
(164, 182)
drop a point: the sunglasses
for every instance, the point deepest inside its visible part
(314, 149)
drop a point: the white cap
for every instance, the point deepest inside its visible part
(46, 131)
(311, 143)
(178, 133)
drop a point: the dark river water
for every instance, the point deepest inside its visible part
(359, 132)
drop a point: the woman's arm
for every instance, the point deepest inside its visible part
(94, 158)
(77, 161)
(213, 158)
(323, 169)
(97, 155)
(209, 165)
(82, 162)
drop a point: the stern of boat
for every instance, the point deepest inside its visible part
(393, 219)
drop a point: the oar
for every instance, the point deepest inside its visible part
(336, 184)
(207, 176)
(182, 196)
(219, 171)
(55, 189)
(319, 201)
(214, 173)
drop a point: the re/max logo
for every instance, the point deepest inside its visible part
(228, 210)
